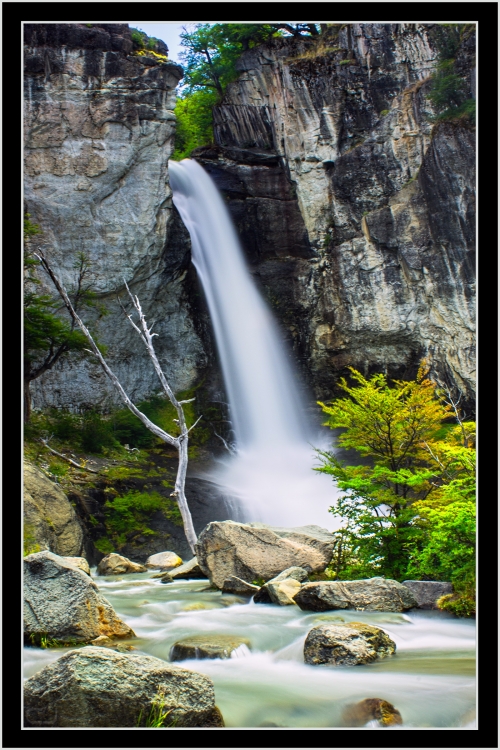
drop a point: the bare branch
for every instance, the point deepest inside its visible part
(69, 460)
(194, 425)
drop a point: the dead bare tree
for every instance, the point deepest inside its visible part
(181, 441)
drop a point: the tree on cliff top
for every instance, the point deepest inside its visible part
(209, 59)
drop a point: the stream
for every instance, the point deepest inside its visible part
(430, 679)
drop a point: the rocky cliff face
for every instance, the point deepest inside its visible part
(99, 131)
(355, 211)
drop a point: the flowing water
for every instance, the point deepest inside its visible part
(271, 474)
(430, 679)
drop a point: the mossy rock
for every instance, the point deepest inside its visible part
(207, 647)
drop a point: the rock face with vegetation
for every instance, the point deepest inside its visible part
(372, 595)
(355, 208)
(349, 644)
(63, 604)
(337, 136)
(255, 550)
(99, 130)
(50, 521)
(96, 687)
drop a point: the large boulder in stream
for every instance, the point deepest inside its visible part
(428, 592)
(283, 588)
(62, 602)
(256, 551)
(95, 687)
(371, 595)
(163, 561)
(351, 644)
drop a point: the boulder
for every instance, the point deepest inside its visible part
(79, 562)
(371, 595)
(255, 550)
(96, 687)
(63, 603)
(189, 569)
(352, 643)
(206, 647)
(428, 592)
(371, 709)
(282, 588)
(114, 564)
(50, 521)
(163, 560)
(235, 585)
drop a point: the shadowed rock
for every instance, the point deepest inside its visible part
(207, 647)
(372, 595)
(235, 585)
(428, 592)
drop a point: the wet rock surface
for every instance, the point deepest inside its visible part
(207, 647)
(189, 569)
(163, 560)
(369, 710)
(96, 687)
(63, 603)
(235, 585)
(252, 551)
(49, 519)
(428, 592)
(372, 595)
(350, 644)
(114, 564)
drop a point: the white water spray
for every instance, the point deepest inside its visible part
(272, 472)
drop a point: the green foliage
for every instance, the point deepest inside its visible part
(104, 545)
(409, 510)
(30, 545)
(158, 714)
(96, 433)
(194, 122)
(447, 90)
(132, 512)
(384, 112)
(44, 641)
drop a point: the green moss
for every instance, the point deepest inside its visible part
(30, 545)
(345, 62)
(384, 112)
(42, 640)
(104, 545)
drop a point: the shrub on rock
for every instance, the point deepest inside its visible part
(352, 643)
(63, 603)
(114, 564)
(255, 550)
(97, 687)
(371, 595)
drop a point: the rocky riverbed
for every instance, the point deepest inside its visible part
(430, 679)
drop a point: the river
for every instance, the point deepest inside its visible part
(430, 679)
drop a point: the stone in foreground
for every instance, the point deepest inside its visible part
(370, 595)
(207, 647)
(97, 687)
(351, 644)
(79, 562)
(235, 585)
(428, 592)
(163, 561)
(114, 564)
(371, 709)
(282, 589)
(63, 603)
(255, 550)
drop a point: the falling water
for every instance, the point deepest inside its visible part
(271, 474)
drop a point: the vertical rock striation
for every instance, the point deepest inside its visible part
(338, 142)
(99, 130)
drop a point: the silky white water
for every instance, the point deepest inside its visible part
(271, 473)
(430, 679)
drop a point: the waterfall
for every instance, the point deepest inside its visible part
(271, 473)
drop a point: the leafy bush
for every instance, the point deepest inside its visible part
(132, 513)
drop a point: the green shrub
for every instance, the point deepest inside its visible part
(104, 545)
(96, 433)
(384, 112)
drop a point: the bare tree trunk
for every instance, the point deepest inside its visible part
(180, 442)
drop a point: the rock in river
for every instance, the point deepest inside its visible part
(207, 647)
(78, 562)
(283, 588)
(371, 595)
(114, 564)
(371, 709)
(352, 643)
(97, 687)
(255, 550)
(428, 592)
(235, 585)
(63, 603)
(163, 561)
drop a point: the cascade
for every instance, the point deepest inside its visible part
(271, 472)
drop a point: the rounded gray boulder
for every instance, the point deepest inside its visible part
(97, 687)
(352, 643)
